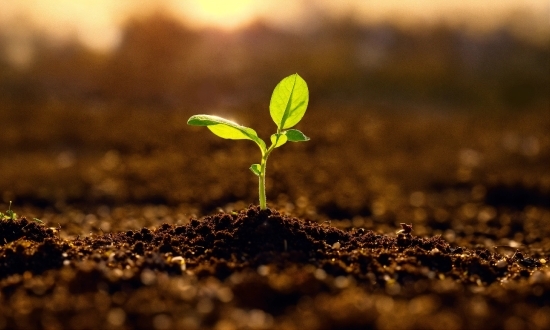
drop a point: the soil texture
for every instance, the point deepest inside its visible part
(386, 219)
(261, 269)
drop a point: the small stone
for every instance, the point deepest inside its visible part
(336, 245)
(501, 263)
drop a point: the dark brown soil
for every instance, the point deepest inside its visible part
(147, 224)
(261, 269)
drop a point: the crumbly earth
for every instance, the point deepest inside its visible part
(263, 270)
(146, 223)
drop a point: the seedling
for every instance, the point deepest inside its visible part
(9, 215)
(287, 107)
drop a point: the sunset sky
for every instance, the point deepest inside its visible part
(97, 22)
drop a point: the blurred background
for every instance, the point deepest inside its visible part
(205, 53)
(407, 99)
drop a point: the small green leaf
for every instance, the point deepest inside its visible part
(295, 135)
(289, 101)
(222, 127)
(278, 142)
(226, 128)
(229, 132)
(256, 169)
(38, 220)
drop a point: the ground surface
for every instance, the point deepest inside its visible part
(147, 223)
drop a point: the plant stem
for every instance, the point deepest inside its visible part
(263, 202)
(261, 177)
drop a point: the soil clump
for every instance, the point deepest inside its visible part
(260, 269)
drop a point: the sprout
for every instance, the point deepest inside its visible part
(9, 215)
(287, 107)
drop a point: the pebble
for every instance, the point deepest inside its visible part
(501, 263)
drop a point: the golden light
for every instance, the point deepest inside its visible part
(98, 23)
(224, 14)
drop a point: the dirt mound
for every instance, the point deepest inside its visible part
(258, 266)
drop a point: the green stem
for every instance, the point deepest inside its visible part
(261, 177)
(263, 202)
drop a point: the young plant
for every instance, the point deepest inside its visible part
(9, 215)
(287, 107)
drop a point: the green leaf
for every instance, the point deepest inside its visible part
(256, 169)
(278, 142)
(226, 128)
(289, 101)
(11, 215)
(295, 135)
(222, 127)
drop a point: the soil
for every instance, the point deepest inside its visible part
(387, 221)
(261, 269)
